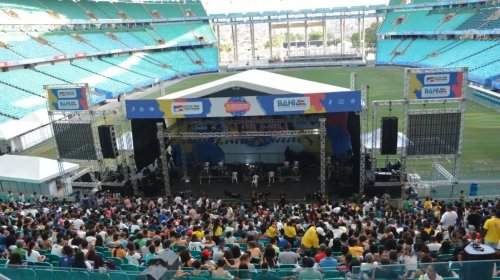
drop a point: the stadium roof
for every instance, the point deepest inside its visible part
(31, 169)
(257, 80)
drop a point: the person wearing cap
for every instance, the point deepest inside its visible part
(491, 231)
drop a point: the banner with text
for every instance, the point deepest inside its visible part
(434, 85)
(283, 104)
(67, 98)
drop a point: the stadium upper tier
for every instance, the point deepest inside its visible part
(440, 19)
(18, 46)
(481, 56)
(21, 91)
(53, 10)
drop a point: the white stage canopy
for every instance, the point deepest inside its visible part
(257, 80)
(31, 169)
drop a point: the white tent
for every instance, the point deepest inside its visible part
(256, 80)
(31, 169)
(368, 138)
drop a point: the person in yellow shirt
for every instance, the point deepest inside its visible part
(290, 232)
(272, 231)
(354, 249)
(491, 231)
(197, 232)
(310, 239)
(427, 203)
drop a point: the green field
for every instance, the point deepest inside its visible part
(481, 145)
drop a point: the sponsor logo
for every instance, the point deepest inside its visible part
(436, 79)
(66, 93)
(435, 92)
(237, 106)
(70, 104)
(187, 108)
(292, 104)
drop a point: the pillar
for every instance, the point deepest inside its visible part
(163, 156)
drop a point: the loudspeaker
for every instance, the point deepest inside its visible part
(389, 141)
(146, 144)
(107, 139)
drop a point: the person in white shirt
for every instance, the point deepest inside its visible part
(132, 256)
(33, 255)
(449, 218)
(433, 246)
(77, 223)
(57, 248)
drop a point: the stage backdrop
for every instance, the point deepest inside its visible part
(283, 104)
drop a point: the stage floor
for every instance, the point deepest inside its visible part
(294, 190)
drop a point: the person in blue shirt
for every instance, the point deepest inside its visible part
(328, 262)
(67, 260)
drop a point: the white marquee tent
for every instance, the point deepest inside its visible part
(31, 174)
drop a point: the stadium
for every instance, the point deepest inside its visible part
(247, 106)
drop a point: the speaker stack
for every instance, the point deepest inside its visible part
(389, 139)
(107, 139)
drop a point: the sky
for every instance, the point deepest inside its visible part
(228, 6)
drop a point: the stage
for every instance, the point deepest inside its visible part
(252, 118)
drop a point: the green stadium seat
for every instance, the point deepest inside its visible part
(52, 257)
(80, 274)
(129, 267)
(44, 274)
(118, 276)
(99, 276)
(118, 262)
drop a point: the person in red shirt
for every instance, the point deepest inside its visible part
(321, 253)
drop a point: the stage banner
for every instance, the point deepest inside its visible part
(67, 98)
(282, 104)
(434, 83)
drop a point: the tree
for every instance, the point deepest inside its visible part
(315, 35)
(278, 41)
(370, 37)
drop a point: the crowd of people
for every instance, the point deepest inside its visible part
(356, 238)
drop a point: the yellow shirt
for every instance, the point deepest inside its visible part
(427, 204)
(310, 239)
(493, 227)
(218, 231)
(289, 231)
(356, 251)
(271, 232)
(198, 234)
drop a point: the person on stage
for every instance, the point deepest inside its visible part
(271, 178)
(234, 177)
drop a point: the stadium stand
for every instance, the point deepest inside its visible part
(176, 34)
(69, 44)
(133, 11)
(19, 78)
(102, 42)
(17, 103)
(27, 47)
(65, 9)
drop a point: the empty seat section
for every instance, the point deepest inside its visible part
(167, 10)
(106, 10)
(6, 54)
(210, 58)
(460, 17)
(460, 51)
(144, 37)
(97, 11)
(134, 10)
(391, 21)
(204, 30)
(176, 34)
(28, 47)
(65, 9)
(477, 19)
(137, 64)
(3, 119)
(419, 50)
(177, 60)
(17, 103)
(26, 9)
(385, 49)
(116, 73)
(68, 44)
(73, 74)
(481, 57)
(196, 9)
(29, 80)
(102, 42)
(420, 21)
(129, 40)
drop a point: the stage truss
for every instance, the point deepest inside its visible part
(421, 107)
(166, 133)
(90, 117)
